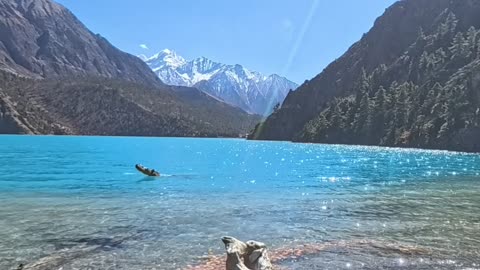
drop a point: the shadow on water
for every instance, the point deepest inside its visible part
(168, 176)
(104, 243)
(148, 179)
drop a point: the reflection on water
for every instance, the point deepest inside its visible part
(75, 203)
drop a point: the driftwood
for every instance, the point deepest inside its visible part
(250, 255)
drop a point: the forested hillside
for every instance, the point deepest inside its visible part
(428, 97)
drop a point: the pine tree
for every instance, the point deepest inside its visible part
(412, 105)
(400, 107)
(379, 110)
(462, 106)
(351, 112)
(426, 108)
(322, 126)
(440, 57)
(389, 138)
(445, 130)
(460, 47)
(472, 38)
(451, 22)
(368, 127)
(336, 119)
(421, 34)
(309, 131)
(478, 48)
(365, 83)
(390, 104)
(361, 115)
(426, 132)
(448, 108)
(448, 26)
(375, 79)
(423, 63)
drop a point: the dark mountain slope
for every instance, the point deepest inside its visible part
(40, 37)
(413, 46)
(99, 106)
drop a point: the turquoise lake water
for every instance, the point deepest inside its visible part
(79, 203)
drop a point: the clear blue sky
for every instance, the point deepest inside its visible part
(293, 38)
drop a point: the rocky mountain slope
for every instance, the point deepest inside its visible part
(42, 38)
(59, 78)
(411, 81)
(234, 84)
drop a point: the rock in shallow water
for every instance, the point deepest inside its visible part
(251, 255)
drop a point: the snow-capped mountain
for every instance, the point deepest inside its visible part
(234, 84)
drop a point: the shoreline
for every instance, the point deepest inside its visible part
(380, 147)
(279, 256)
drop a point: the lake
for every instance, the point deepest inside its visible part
(79, 203)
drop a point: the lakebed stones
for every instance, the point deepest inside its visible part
(251, 255)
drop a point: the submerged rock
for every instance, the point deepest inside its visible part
(71, 250)
(59, 259)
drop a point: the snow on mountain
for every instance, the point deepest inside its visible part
(143, 57)
(234, 84)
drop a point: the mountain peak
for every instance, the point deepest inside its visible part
(162, 53)
(234, 84)
(165, 57)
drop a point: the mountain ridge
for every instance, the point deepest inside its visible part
(236, 85)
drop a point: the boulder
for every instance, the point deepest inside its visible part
(250, 255)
